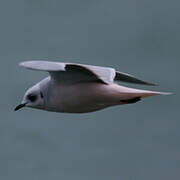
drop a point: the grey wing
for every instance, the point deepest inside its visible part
(130, 79)
(73, 73)
(69, 72)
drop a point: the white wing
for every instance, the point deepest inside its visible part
(71, 72)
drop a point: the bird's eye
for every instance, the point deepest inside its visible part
(32, 97)
(41, 94)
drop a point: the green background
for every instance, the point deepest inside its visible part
(132, 142)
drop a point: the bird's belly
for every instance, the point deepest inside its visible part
(82, 98)
(83, 108)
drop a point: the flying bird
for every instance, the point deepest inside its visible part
(79, 88)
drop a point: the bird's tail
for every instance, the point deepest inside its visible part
(132, 93)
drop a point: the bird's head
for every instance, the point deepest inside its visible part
(33, 98)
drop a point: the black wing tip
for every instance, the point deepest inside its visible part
(131, 79)
(149, 84)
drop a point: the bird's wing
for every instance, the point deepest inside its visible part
(71, 72)
(120, 76)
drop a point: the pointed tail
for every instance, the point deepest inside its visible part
(131, 92)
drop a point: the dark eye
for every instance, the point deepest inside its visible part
(32, 97)
(41, 94)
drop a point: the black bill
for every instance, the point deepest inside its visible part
(19, 107)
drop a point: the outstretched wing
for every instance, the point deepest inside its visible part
(71, 72)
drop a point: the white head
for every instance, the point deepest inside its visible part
(33, 98)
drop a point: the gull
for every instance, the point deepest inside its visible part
(79, 88)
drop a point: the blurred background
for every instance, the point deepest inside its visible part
(131, 142)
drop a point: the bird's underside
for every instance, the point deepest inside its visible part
(89, 97)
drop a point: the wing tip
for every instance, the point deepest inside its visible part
(43, 65)
(120, 76)
(148, 84)
(22, 63)
(26, 64)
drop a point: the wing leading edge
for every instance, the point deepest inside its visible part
(72, 72)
